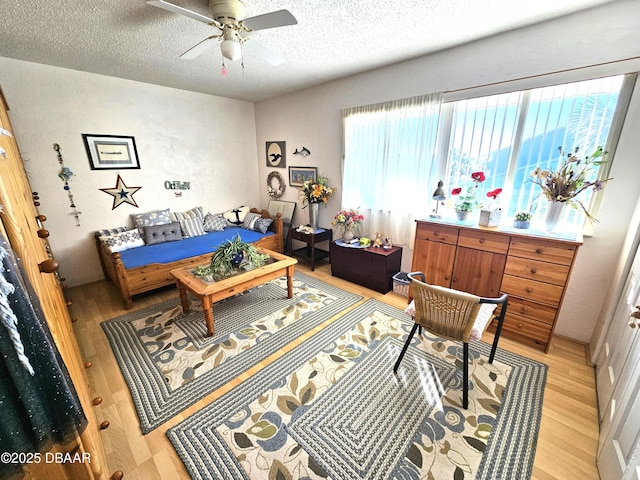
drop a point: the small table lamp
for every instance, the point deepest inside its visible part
(438, 196)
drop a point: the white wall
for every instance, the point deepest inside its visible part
(312, 118)
(206, 140)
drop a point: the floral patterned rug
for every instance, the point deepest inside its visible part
(332, 408)
(169, 363)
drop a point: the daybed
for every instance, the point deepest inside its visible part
(146, 267)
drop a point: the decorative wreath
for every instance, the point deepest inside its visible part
(278, 190)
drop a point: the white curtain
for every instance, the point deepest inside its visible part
(389, 167)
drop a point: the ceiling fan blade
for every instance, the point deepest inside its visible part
(182, 11)
(199, 48)
(280, 18)
(269, 55)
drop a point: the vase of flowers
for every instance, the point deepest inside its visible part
(572, 177)
(347, 220)
(314, 193)
(467, 203)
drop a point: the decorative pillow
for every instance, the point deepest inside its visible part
(167, 232)
(249, 219)
(214, 222)
(110, 231)
(155, 217)
(236, 216)
(195, 212)
(192, 227)
(263, 224)
(255, 222)
(125, 240)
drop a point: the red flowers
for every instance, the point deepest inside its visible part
(478, 177)
(456, 191)
(493, 194)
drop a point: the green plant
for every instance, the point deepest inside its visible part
(230, 257)
(523, 216)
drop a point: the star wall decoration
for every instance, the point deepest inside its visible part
(121, 193)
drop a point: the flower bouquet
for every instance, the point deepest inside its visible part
(347, 219)
(572, 177)
(315, 192)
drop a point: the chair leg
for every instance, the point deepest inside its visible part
(404, 348)
(496, 337)
(465, 375)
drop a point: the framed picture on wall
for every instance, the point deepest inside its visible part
(299, 175)
(276, 154)
(111, 152)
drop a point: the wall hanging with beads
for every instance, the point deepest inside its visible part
(65, 175)
(121, 193)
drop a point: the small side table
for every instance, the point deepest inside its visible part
(310, 252)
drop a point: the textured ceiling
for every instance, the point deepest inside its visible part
(333, 38)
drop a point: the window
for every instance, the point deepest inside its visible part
(508, 136)
(394, 156)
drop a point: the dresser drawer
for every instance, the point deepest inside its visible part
(534, 311)
(489, 242)
(437, 233)
(537, 270)
(541, 250)
(532, 290)
(540, 332)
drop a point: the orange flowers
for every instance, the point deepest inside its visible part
(316, 192)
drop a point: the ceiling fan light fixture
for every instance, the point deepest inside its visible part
(231, 50)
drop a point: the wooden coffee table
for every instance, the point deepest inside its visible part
(212, 292)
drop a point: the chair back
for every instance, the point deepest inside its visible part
(445, 312)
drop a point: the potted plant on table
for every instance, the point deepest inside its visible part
(522, 220)
(230, 258)
(467, 203)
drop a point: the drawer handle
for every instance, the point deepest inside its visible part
(520, 325)
(523, 309)
(529, 290)
(534, 271)
(48, 266)
(539, 250)
(481, 240)
(435, 234)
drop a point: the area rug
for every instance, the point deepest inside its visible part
(332, 408)
(169, 363)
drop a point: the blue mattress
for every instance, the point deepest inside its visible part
(187, 247)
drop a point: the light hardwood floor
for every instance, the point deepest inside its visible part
(568, 433)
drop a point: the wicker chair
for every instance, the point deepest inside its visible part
(452, 315)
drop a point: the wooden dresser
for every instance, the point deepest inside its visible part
(22, 224)
(533, 267)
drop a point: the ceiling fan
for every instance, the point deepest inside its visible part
(228, 17)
